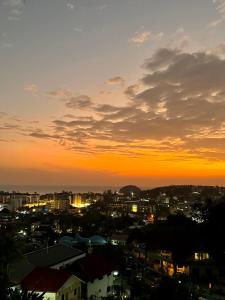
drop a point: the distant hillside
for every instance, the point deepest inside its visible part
(187, 191)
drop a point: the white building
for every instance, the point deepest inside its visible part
(99, 275)
(54, 284)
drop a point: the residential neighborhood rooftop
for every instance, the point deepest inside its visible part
(52, 255)
(45, 280)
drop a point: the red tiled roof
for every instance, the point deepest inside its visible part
(92, 267)
(45, 280)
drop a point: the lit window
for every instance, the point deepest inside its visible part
(196, 256)
(201, 255)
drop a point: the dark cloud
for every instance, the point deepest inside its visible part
(8, 126)
(132, 90)
(42, 135)
(79, 102)
(117, 80)
(106, 108)
(2, 114)
(181, 103)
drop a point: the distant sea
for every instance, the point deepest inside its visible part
(43, 189)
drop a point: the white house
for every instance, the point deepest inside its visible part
(99, 275)
(55, 284)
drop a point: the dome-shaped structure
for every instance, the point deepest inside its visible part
(67, 241)
(130, 190)
(80, 240)
(98, 240)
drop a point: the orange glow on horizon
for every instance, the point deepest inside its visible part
(51, 157)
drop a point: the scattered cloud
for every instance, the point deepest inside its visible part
(13, 127)
(102, 7)
(132, 90)
(7, 45)
(32, 88)
(220, 7)
(178, 106)
(14, 3)
(79, 102)
(140, 37)
(70, 6)
(77, 29)
(60, 94)
(218, 50)
(216, 23)
(69, 116)
(38, 133)
(105, 93)
(117, 80)
(15, 7)
(179, 39)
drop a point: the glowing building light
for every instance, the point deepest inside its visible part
(134, 208)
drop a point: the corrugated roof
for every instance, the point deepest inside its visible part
(52, 255)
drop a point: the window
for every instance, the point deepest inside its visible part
(62, 297)
(201, 256)
(75, 292)
(108, 289)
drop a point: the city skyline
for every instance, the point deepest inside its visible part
(102, 92)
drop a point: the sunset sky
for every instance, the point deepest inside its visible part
(112, 92)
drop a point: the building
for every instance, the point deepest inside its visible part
(55, 257)
(99, 275)
(17, 200)
(78, 201)
(119, 239)
(57, 201)
(54, 284)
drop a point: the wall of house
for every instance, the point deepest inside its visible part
(98, 287)
(71, 290)
(49, 296)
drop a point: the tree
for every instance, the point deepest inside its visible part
(173, 289)
(201, 211)
(24, 295)
(215, 228)
(10, 252)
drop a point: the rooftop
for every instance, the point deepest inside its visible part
(52, 255)
(45, 280)
(92, 267)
